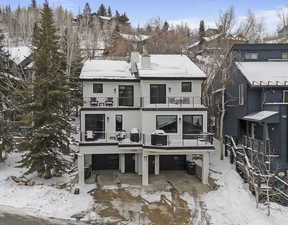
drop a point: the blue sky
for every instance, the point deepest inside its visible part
(190, 11)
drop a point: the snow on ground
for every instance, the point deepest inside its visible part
(39, 200)
(233, 204)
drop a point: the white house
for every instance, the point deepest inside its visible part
(143, 116)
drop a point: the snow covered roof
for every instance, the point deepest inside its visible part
(171, 66)
(271, 73)
(106, 69)
(135, 37)
(162, 66)
(105, 18)
(18, 54)
(259, 116)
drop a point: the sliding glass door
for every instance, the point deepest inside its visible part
(96, 124)
(157, 94)
(126, 95)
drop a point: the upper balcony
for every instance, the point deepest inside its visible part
(143, 102)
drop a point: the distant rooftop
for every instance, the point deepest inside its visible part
(265, 73)
(18, 54)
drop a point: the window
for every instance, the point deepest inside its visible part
(97, 88)
(167, 123)
(241, 94)
(186, 87)
(285, 96)
(192, 124)
(285, 55)
(157, 94)
(251, 55)
(126, 95)
(119, 122)
(95, 123)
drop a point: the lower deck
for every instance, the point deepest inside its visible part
(142, 163)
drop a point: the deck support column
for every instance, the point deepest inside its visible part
(122, 163)
(157, 164)
(205, 168)
(139, 163)
(136, 161)
(145, 172)
(81, 174)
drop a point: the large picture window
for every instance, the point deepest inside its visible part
(97, 88)
(157, 94)
(126, 95)
(167, 123)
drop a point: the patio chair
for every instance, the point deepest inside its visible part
(109, 101)
(93, 101)
(89, 135)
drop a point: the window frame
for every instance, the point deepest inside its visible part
(284, 53)
(157, 128)
(193, 116)
(94, 88)
(249, 54)
(284, 92)
(190, 87)
(161, 99)
(241, 99)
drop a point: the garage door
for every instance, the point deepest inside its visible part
(172, 162)
(105, 162)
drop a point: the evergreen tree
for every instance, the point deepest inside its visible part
(117, 14)
(87, 10)
(202, 29)
(5, 93)
(165, 27)
(47, 104)
(109, 12)
(123, 18)
(8, 100)
(102, 11)
(34, 4)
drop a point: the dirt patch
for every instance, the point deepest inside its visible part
(121, 205)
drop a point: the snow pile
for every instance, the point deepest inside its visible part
(233, 204)
(40, 200)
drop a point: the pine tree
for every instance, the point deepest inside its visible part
(117, 14)
(109, 12)
(165, 27)
(8, 87)
(202, 29)
(34, 4)
(87, 9)
(102, 11)
(47, 104)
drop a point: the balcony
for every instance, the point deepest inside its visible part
(147, 140)
(111, 102)
(265, 147)
(172, 102)
(143, 102)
